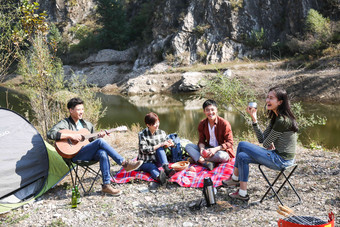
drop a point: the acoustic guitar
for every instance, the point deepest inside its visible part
(68, 148)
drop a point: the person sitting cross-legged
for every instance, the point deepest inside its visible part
(215, 144)
(152, 141)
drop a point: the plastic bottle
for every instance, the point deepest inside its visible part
(77, 194)
(74, 199)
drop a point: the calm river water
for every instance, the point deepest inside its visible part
(182, 113)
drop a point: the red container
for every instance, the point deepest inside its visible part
(288, 221)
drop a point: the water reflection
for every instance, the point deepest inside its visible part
(182, 113)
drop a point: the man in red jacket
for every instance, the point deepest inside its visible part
(215, 144)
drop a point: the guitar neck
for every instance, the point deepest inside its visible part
(120, 129)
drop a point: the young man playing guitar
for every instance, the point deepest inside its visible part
(98, 149)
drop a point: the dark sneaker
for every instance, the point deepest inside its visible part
(236, 195)
(132, 165)
(108, 189)
(169, 172)
(209, 165)
(162, 177)
(230, 183)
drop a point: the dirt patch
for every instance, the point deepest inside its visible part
(323, 86)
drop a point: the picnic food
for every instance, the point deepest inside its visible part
(179, 166)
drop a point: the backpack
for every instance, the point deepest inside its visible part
(176, 150)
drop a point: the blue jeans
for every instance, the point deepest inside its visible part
(99, 150)
(194, 152)
(251, 153)
(151, 167)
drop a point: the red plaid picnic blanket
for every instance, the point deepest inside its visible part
(190, 177)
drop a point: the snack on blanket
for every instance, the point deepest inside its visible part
(192, 169)
(179, 166)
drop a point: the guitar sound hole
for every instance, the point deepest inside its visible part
(69, 141)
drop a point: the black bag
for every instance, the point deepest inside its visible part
(176, 150)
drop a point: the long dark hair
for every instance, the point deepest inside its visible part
(283, 109)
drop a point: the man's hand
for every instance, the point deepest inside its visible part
(76, 137)
(101, 134)
(210, 152)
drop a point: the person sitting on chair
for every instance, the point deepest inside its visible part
(279, 141)
(215, 144)
(97, 150)
(152, 141)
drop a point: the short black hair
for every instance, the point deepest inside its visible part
(151, 118)
(208, 103)
(73, 102)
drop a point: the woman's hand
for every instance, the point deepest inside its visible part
(271, 147)
(253, 113)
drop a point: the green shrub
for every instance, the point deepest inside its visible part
(140, 28)
(229, 91)
(236, 4)
(201, 56)
(317, 25)
(318, 35)
(199, 30)
(170, 58)
(11, 35)
(112, 15)
(44, 85)
(43, 76)
(306, 121)
(256, 38)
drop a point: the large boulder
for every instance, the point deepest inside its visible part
(111, 56)
(191, 82)
(99, 75)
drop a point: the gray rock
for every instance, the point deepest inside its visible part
(191, 81)
(187, 224)
(111, 56)
(152, 89)
(227, 73)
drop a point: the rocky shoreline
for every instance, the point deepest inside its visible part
(316, 180)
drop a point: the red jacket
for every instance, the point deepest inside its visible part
(223, 134)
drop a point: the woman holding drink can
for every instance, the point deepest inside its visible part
(279, 142)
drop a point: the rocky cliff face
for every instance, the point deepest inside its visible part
(68, 13)
(216, 30)
(188, 31)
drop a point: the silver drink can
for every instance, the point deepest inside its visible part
(252, 105)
